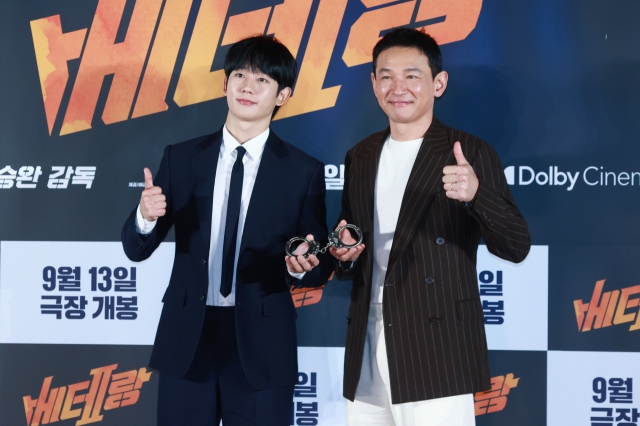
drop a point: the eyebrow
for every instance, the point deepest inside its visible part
(412, 69)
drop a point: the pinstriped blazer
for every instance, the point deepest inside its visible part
(433, 320)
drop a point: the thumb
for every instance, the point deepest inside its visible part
(457, 152)
(148, 179)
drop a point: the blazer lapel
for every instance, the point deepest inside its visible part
(269, 180)
(204, 164)
(425, 181)
(362, 188)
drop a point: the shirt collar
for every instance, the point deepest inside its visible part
(254, 146)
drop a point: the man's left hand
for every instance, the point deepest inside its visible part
(460, 182)
(298, 263)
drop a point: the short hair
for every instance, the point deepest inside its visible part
(407, 37)
(263, 54)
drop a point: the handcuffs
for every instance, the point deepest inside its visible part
(334, 241)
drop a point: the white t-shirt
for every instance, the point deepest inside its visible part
(394, 168)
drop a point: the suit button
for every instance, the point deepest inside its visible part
(202, 297)
(139, 245)
(204, 261)
(484, 215)
(429, 280)
(434, 319)
(439, 241)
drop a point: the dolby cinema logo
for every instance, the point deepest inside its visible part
(555, 176)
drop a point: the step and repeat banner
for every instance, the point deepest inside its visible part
(92, 91)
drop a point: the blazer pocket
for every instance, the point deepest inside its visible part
(175, 295)
(278, 305)
(467, 309)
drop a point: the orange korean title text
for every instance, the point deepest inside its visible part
(86, 400)
(144, 62)
(495, 399)
(609, 308)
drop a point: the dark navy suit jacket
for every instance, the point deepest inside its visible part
(288, 200)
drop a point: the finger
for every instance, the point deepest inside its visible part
(341, 254)
(156, 198)
(457, 152)
(454, 195)
(336, 252)
(345, 237)
(310, 237)
(313, 261)
(148, 178)
(301, 249)
(294, 266)
(341, 224)
(450, 178)
(455, 170)
(304, 263)
(155, 190)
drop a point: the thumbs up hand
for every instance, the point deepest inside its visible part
(460, 181)
(153, 203)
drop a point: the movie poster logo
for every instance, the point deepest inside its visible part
(609, 308)
(145, 59)
(495, 399)
(86, 401)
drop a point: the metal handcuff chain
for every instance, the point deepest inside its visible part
(334, 241)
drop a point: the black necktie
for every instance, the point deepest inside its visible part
(231, 226)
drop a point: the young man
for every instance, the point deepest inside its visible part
(416, 349)
(226, 341)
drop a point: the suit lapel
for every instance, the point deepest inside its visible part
(425, 181)
(269, 180)
(363, 188)
(204, 164)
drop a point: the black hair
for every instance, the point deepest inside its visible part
(263, 54)
(407, 37)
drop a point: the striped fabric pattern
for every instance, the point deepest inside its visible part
(434, 328)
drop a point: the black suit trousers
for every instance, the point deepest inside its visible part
(216, 388)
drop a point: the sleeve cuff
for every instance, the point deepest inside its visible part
(296, 275)
(143, 226)
(347, 266)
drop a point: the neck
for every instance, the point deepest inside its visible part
(246, 130)
(403, 132)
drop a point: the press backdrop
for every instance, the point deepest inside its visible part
(92, 90)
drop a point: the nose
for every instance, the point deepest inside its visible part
(399, 86)
(247, 86)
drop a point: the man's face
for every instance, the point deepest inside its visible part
(404, 86)
(252, 96)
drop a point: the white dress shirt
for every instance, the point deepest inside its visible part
(394, 168)
(226, 160)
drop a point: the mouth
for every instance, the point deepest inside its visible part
(399, 103)
(245, 102)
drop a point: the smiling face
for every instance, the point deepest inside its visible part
(252, 96)
(405, 88)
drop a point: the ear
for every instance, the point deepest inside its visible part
(283, 96)
(224, 85)
(373, 82)
(440, 83)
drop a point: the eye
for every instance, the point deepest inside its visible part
(411, 76)
(263, 80)
(239, 74)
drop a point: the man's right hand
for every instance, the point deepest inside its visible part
(153, 203)
(344, 254)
